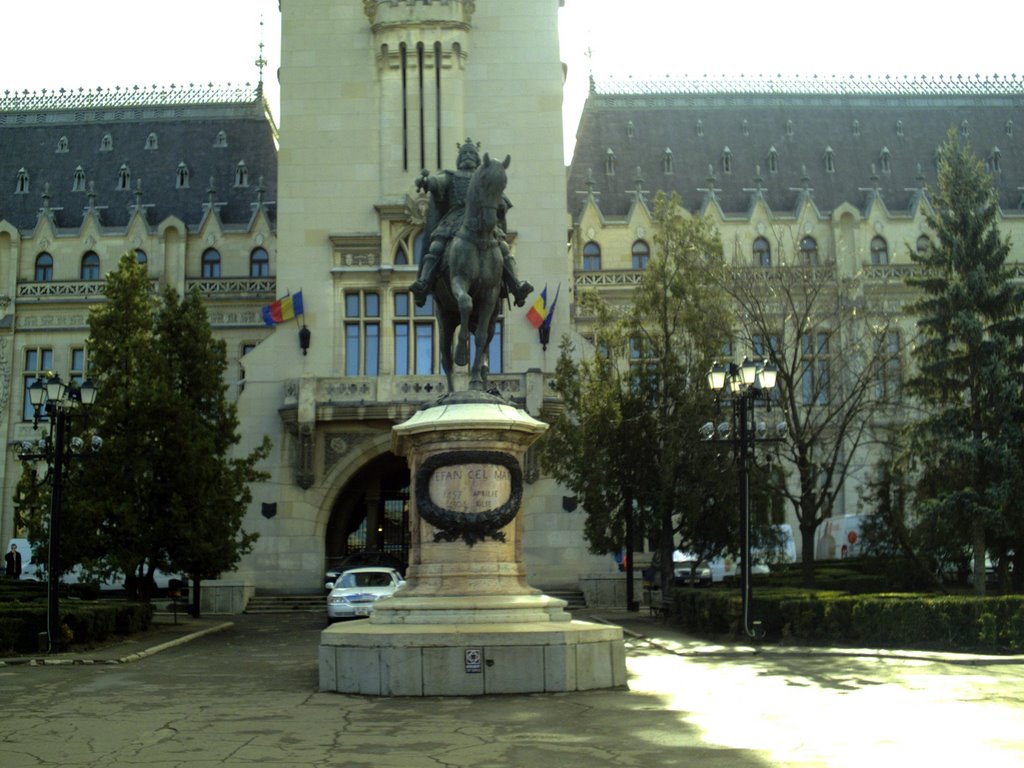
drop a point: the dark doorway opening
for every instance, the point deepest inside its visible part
(371, 514)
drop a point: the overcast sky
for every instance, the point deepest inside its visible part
(73, 43)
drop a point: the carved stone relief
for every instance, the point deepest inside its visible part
(338, 444)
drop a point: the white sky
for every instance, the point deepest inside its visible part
(74, 43)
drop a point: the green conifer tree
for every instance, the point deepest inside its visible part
(968, 360)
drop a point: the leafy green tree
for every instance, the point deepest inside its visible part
(626, 441)
(968, 362)
(165, 492)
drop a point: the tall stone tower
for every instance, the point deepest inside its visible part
(371, 94)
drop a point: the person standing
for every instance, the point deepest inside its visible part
(12, 563)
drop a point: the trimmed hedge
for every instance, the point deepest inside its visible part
(991, 624)
(83, 623)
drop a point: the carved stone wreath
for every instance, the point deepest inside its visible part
(472, 527)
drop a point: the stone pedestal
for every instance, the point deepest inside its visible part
(467, 622)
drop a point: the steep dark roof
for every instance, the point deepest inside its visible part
(186, 123)
(800, 120)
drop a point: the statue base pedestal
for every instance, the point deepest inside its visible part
(466, 622)
(470, 659)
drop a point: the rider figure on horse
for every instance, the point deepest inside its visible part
(447, 205)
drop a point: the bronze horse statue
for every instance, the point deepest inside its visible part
(467, 295)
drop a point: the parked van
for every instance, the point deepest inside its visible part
(36, 571)
(839, 537)
(728, 566)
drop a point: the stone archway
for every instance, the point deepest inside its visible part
(370, 512)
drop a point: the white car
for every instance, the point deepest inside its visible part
(357, 589)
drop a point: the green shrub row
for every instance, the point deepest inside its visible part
(21, 623)
(903, 620)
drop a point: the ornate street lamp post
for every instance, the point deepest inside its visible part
(58, 403)
(744, 385)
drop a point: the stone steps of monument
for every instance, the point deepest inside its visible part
(574, 598)
(286, 604)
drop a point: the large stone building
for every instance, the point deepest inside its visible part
(203, 188)
(827, 173)
(185, 178)
(371, 94)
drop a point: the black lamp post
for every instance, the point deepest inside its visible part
(58, 402)
(744, 385)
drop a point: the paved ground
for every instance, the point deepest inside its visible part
(244, 693)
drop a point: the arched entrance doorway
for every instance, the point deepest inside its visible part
(371, 513)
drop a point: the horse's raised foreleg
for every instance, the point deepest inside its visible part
(465, 301)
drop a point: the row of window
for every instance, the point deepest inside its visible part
(884, 163)
(855, 128)
(38, 365)
(762, 252)
(259, 264)
(813, 377)
(220, 141)
(182, 178)
(414, 332)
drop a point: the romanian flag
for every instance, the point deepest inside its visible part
(538, 313)
(541, 314)
(283, 309)
(549, 315)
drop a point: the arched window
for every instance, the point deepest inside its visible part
(140, 256)
(883, 160)
(609, 162)
(241, 174)
(762, 253)
(78, 182)
(809, 252)
(830, 160)
(62, 144)
(401, 257)
(151, 142)
(773, 160)
(221, 140)
(879, 251)
(666, 161)
(211, 263)
(181, 177)
(107, 143)
(923, 243)
(21, 186)
(259, 263)
(591, 257)
(994, 164)
(44, 268)
(419, 245)
(641, 254)
(726, 160)
(124, 177)
(90, 266)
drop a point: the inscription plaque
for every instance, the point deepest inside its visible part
(469, 495)
(470, 488)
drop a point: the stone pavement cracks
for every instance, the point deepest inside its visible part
(240, 691)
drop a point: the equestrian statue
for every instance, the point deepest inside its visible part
(468, 267)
